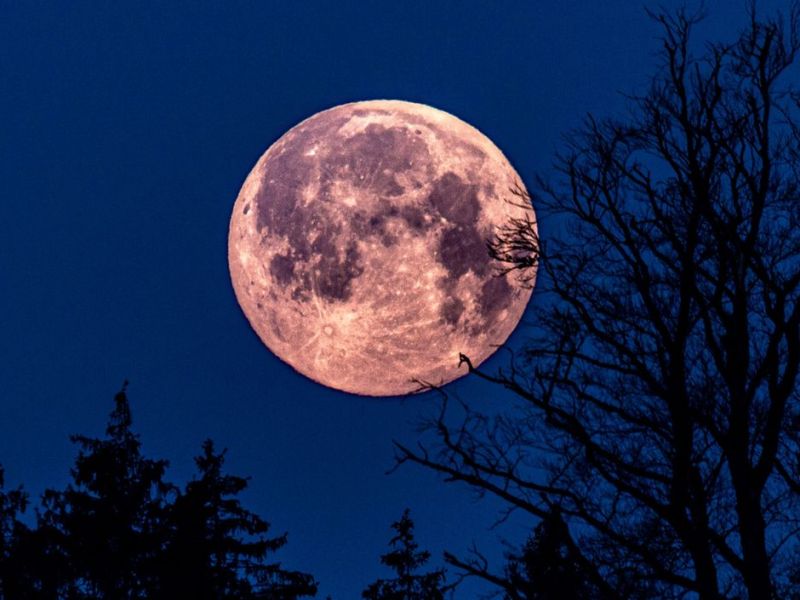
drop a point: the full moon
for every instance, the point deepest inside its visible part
(358, 247)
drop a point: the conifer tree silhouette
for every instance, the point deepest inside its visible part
(547, 568)
(120, 531)
(108, 523)
(405, 560)
(218, 548)
(11, 504)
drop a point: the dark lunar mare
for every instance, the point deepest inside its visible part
(372, 158)
(370, 161)
(462, 248)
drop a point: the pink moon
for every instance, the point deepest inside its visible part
(358, 247)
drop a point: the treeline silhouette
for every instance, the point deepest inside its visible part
(653, 431)
(121, 531)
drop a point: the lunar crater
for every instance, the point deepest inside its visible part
(357, 247)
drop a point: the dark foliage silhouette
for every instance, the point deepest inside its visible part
(208, 556)
(120, 531)
(12, 503)
(109, 522)
(546, 568)
(406, 560)
(655, 405)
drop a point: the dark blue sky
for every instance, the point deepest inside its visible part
(126, 132)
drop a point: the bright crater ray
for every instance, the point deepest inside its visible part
(357, 247)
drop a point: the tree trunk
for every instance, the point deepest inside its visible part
(752, 528)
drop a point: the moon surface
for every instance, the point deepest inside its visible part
(357, 247)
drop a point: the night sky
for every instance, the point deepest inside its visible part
(126, 132)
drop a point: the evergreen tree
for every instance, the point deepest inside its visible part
(547, 568)
(108, 523)
(218, 547)
(120, 531)
(11, 504)
(37, 566)
(405, 560)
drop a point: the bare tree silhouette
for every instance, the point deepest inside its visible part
(658, 409)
